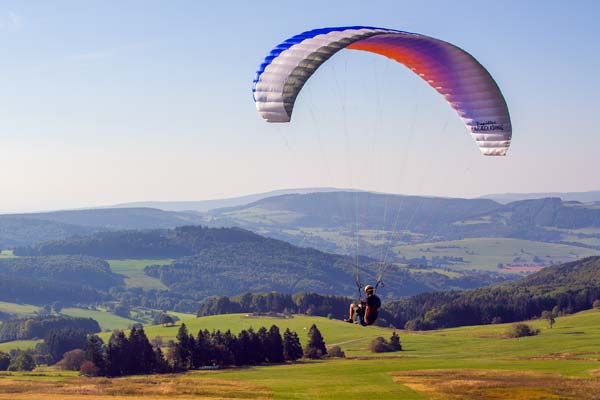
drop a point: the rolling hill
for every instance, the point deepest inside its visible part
(197, 262)
(564, 288)
(373, 224)
(26, 229)
(207, 205)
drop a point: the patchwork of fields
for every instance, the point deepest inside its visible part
(477, 362)
(487, 253)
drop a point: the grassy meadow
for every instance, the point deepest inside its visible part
(6, 254)
(478, 362)
(18, 309)
(134, 272)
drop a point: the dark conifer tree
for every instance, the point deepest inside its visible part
(263, 344)
(161, 365)
(243, 354)
(316, 345)
(95, 352)
(141, 352)
(253, 350)
(292, 349)
(118, 357)
(183, 350)
(274, 348)
(60, 341)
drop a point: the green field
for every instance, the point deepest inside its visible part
(487, 253)
(477, 362)
(18, 344)
(6, 254)
(463, 363)
(134, 272)
(18, 309)
(107, 321)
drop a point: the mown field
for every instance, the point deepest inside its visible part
(463, 363)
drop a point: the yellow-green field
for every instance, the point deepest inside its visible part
(134, 272)
(463, 363)
(19, 309)
(107, 321)
(6, 254)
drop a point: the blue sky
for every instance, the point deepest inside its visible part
(115, 101)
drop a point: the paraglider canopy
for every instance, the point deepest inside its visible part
(466, 85)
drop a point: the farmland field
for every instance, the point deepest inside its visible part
(107, 321)
(18, 309)
(134, 272)
(477, 362)
(6, 254)
(487, 253)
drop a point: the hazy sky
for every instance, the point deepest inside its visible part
(114, 101)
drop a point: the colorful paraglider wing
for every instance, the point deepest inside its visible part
(454, 73)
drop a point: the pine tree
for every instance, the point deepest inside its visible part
(142, 353)
(161, 364)
(263, 343)
(118, 355)
(95, 352)
(292, 350)
(183, 350)
(316, 345)
(275, 346)
(242, 348)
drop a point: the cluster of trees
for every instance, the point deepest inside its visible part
(274, 302)
(156, 299)
(51, 350)
(380, 345)
(136, 355)
(522, 330)
(42, 326)
(19, 361)
(124, 355)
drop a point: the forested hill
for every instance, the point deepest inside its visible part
(565, 288)
(26, 229)
(68, 279)
(229, 261)
(178, 242)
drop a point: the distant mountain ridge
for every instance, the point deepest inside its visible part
(207, 205)
(582, 197)
(370, 223)
(25, 229)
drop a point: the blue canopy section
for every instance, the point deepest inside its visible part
(281, 47)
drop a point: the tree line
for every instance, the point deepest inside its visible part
(40, 327)
(135, 354)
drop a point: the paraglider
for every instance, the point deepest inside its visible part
(466, 85)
